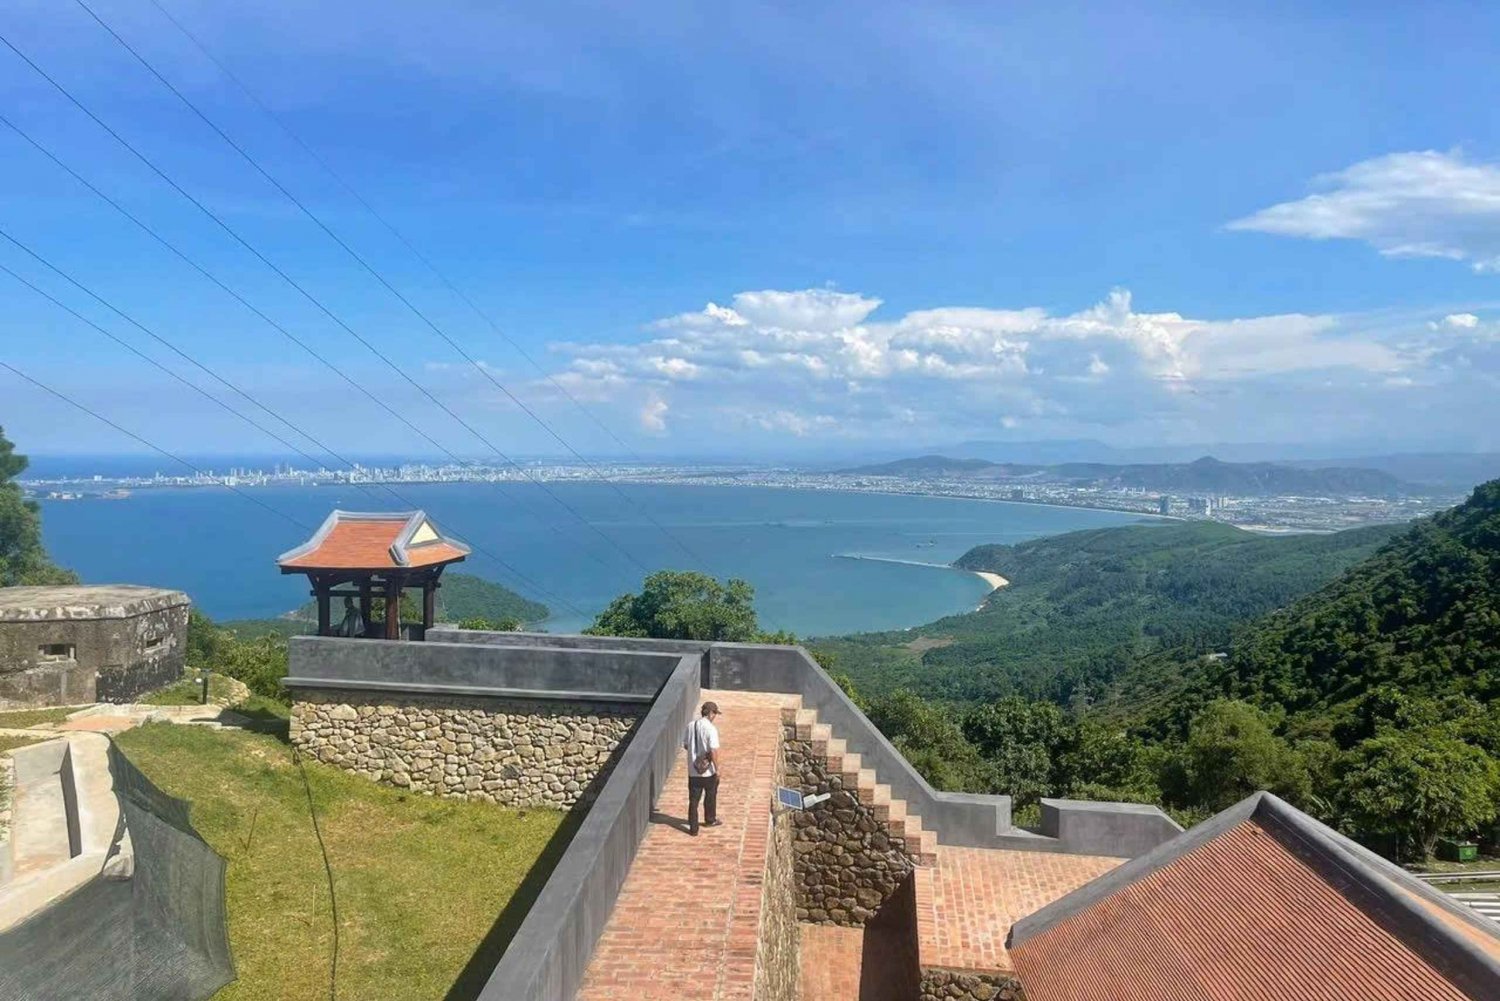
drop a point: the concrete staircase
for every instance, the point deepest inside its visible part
(920, 844)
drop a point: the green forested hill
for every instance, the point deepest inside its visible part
(1370, 700)
(1081, 608)
(1422, 615)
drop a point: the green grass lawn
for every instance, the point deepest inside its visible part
(20, 719)
(420, 882)
(9, 743)
(187, 691)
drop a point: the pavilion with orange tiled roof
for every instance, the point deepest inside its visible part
(373, 555)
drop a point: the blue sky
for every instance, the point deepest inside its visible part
(771, 229)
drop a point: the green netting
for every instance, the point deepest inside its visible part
(159, 934)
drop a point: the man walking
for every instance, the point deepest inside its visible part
(702, 744)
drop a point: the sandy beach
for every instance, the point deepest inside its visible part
(994, 580)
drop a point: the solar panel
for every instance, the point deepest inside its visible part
(789, 798)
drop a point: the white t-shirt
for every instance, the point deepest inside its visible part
(701, 736)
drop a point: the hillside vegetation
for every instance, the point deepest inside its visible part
(1083, 607)
(461, 597)
(1369, 702)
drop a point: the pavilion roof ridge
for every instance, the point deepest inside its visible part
(373, 550)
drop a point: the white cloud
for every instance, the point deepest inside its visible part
(1463, 321)
(815, 363)
(653, 416)
(1416, 204)
(792, 422)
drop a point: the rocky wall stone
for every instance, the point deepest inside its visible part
(847, 862)
(517, 752)
(777, 972)
(957, 985)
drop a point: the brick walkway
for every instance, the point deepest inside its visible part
(831, 956)
(688, 918)
(968, 901)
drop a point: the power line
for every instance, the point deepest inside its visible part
(300, 343)
(415, 310)
(327, 312)
(155, 448)
(255, 310)
(141, 354)
(390, 228)
(517, 574)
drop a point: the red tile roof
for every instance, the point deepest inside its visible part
(1260, 911)
(373, 542)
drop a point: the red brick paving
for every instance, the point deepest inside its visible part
(687, 920)
(968, 901)
(831, 956)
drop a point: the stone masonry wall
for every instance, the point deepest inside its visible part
(955, 985)
(516, 752)
(847, 863)
(777, 966)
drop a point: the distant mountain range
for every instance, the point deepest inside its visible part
(1206, 475)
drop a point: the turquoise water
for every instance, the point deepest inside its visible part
(222, 549)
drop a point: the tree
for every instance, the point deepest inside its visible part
(931, 741)
(507, 624)
(683, 605)
(1021, 740)
(1105, 762)
(23, 560)
(1415, 786)
(1232, 752)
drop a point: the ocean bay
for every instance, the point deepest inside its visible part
(221, 548)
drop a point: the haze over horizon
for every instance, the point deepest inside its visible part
(763, 231)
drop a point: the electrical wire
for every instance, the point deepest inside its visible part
(390, 228)
(333, 900)
(324, 309)
(359, 259)
(155, 448)
(517, 574)
(182, 256)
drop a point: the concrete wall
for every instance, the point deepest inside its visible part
(114, 658)
(965, 819)
(549, 954)
(1120, 829)
(473, 668)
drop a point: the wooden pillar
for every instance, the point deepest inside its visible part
(320, 588)
(429, 603)
(393, 609)
(366, 600)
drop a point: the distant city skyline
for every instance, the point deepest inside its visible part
(761, 232)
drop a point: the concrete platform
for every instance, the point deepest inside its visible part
(64, 824)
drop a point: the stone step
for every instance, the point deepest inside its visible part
(920, 844)
(804, 721)
(863, 783)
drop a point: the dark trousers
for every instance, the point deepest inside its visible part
(706, 788)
